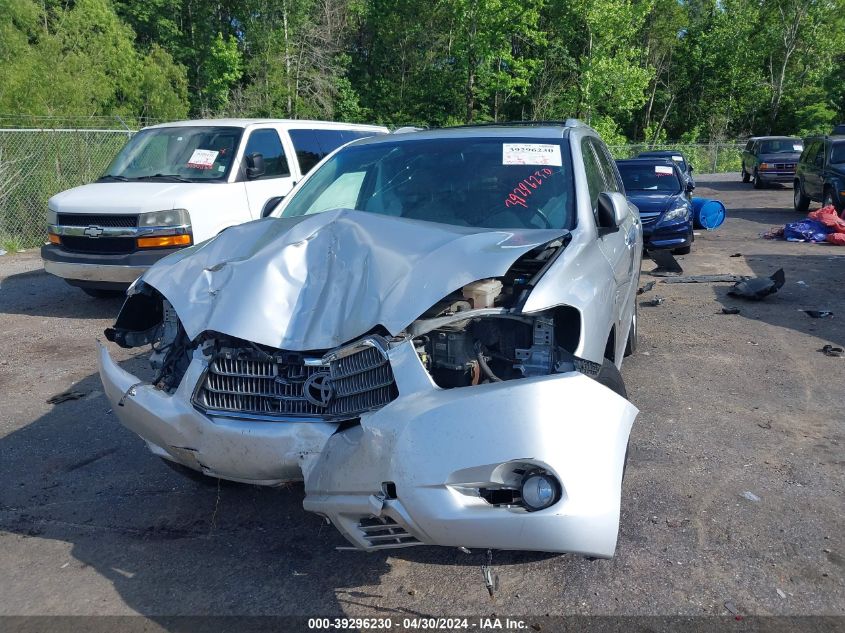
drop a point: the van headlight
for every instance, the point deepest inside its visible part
(173, 217)
(679, 213)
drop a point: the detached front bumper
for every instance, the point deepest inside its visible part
(411, 472)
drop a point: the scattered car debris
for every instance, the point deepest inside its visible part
(765, 425)
(705, 279)
(781, 593)
(646, 288)
(750, 496)
(654, 302)
(758, 288)
(667, 265)
(736, 255)
(830, 350)
(731, 607)
(65, 396)
(819, 314)
(491, 580)
(730, 310)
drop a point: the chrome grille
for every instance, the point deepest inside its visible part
(247, 381)
(362, 381)
(383, 532)
(649, 219)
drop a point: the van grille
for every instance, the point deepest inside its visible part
(103, 245)
(105, 221)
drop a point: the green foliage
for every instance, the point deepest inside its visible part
(651, 70)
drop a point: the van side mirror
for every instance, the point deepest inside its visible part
(691, 169)
(690, 187)
(255, 167)
(612, 207)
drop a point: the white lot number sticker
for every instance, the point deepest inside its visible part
(678, 159)
(798, 148)
(531, 154)
(663, 170)
(202, 158)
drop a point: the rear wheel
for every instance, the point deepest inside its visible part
(610, 377)
(829, 200)
(799, 201)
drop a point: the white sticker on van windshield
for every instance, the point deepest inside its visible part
(798, 148)
(663, 170)
(202, 158)
(678, 159)
(531, 154)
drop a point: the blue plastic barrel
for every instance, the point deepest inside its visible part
(707, 214)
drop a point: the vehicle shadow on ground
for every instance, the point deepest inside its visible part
(172, 546)
(37, 293)
(822, 271)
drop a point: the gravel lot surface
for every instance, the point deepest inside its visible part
(734, 491)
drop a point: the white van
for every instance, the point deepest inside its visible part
(178, 184)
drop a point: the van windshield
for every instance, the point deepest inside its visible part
(180, 154)
(480, 182)
(782, 146)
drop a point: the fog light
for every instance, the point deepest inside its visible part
(539, 490)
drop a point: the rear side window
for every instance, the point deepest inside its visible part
(307, 147)
(267, 143)
(837, 154)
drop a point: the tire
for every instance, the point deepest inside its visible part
(98, 293)
(758, 184)
(745, 177)
(829, 201)
(633, 334)
(800, 202)
(610, 377)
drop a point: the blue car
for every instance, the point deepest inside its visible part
(658, 188)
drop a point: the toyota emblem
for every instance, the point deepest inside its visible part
(93, 231)
(318, 389)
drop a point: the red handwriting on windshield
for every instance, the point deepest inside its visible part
(526, 187)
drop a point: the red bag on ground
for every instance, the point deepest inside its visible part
(828, 216)
(836, 238)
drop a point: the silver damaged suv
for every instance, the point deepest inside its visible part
(428, 331)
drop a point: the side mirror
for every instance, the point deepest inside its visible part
(270, 205)
(612, 209)
(690, 187)
(255, 166)
(691, 169)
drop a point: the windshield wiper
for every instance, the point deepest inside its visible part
(109, 177)
(173, 177)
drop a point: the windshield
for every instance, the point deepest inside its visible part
(191, 153)
(781, 146)
(479, 182)
(677, 158)
(649, 177)
(837, 154)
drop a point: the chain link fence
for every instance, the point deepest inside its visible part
(41, 156)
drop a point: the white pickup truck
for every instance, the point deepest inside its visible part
(178, 184)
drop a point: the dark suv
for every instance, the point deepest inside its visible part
(821, 173)
(768, 159)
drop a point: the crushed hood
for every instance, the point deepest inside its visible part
(316, 282)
